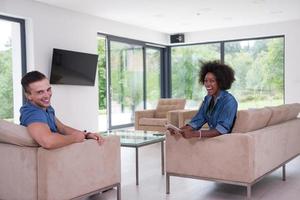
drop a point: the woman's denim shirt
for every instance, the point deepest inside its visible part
(222, 115)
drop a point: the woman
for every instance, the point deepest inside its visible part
(219, 107)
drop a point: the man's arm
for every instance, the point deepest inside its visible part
(42, 135)
(67, 130)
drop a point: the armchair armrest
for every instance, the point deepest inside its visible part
(144, 113)
(173, 115)
(79, 168)
(140, 114)
(185, 115)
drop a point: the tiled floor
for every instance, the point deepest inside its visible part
(152, 183)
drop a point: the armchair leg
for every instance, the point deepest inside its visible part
(167, 183)
(248, 192)
(283, 172)
(119, 191)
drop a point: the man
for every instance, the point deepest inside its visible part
(39, 116)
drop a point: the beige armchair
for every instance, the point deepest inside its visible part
(154, 120)
(181, 117)
(30, 172)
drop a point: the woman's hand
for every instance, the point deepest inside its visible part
(186, 128)
(187, 133)
(174, 132)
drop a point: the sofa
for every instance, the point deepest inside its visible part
(30, 172)
(155, 119)
(262, 140)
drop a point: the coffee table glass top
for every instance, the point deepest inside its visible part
(132, 138)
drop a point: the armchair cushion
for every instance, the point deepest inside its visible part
(15, 134)
(153, 121)
(166, 105)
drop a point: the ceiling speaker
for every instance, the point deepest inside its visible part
(177, 38)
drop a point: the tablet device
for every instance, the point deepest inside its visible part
(171, 126)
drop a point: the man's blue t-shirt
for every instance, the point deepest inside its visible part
(31, 113)
(222, 115)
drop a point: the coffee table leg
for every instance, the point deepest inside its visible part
(162, 158)
(136, 166)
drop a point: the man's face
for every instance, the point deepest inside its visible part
(39, 93)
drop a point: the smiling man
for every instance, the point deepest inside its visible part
(38, 115)
(219, 107)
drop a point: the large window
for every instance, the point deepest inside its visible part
(12, 54)
(102, 86)
(153, 67)
(128, 78)
(258, 65)
(126, 65)
(185, 62)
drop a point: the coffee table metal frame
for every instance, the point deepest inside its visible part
(151, 137)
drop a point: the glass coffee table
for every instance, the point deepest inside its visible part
(136, 139)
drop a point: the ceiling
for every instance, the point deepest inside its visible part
(174, 16)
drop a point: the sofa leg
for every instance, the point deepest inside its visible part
(248, 192)
(119, 191)
(283, 172)
(167, 183)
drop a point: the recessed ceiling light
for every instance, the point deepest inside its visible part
(258, 1)
(202, 11)
(227, 18)
(159, 15)
(276, 12)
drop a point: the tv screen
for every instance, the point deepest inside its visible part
(73, 68)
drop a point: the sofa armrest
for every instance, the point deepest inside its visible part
(228, 157)
(141, 114)
(274, 145)
(79, 168)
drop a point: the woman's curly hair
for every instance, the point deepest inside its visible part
(224, 73)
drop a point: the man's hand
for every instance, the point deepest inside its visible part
(79, 137)
(95, 136)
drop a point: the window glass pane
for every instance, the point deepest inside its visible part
(10, 71)
(153, 62)
(126, 82)
(102, 117)
(258, 66)
(185, 69)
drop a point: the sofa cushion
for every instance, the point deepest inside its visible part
(166, 105)
(251, 120)
(15, 134)
(153, 121)
(283, 113)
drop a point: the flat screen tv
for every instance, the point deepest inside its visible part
(73, 68)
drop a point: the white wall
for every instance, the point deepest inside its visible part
(290, 30)
(48, 27)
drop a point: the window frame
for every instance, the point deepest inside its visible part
(22, 45)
